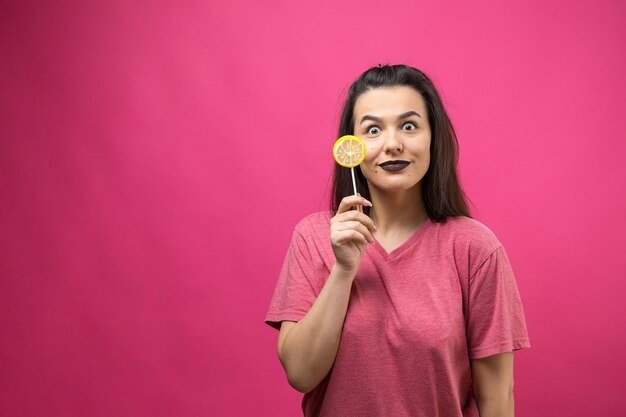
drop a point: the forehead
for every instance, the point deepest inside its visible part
(389, 102)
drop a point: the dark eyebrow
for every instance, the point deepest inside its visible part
(402, 116)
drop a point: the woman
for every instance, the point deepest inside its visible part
(407, 307)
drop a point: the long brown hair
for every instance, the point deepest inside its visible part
(441, 191)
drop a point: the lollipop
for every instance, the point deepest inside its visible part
(349, 151)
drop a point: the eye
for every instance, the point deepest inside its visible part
(369, 129)
(411, 124)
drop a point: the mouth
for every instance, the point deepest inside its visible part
(392, 166)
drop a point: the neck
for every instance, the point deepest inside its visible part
(394, 210)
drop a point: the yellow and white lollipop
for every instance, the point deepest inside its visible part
(349, 152)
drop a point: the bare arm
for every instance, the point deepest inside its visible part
(307, 349)
(492, 385)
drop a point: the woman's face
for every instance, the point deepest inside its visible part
(393, 124)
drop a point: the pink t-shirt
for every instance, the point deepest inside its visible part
(416, 317)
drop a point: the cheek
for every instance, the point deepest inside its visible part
(370, 153)
(368, 166)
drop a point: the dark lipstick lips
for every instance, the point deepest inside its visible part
(394, 166)
(393, 163)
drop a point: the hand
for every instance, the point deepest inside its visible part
(350, 230)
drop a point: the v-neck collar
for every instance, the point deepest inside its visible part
(417, 234)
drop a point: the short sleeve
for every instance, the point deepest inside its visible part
(295, 290)
(496, 321)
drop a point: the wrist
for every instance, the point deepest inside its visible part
(344, 272)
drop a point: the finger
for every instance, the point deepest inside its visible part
(361, 217)
(358, 226)
(352, 201)
(349, 235)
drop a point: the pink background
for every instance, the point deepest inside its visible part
(155, 157)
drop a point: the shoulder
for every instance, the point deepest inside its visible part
(469, 233)
(312, 224)
(470, 242)
(313, 233)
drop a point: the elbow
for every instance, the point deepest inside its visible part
(302, 376)
(299, 379)
(295, 377)
(299, 385)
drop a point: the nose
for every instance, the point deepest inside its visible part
(392, 144)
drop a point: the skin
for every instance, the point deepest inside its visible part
(308, 348)
(492, 385)
(398, 208)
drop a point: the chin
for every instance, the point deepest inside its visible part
(395, 187)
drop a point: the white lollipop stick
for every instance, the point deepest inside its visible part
(354, 186)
